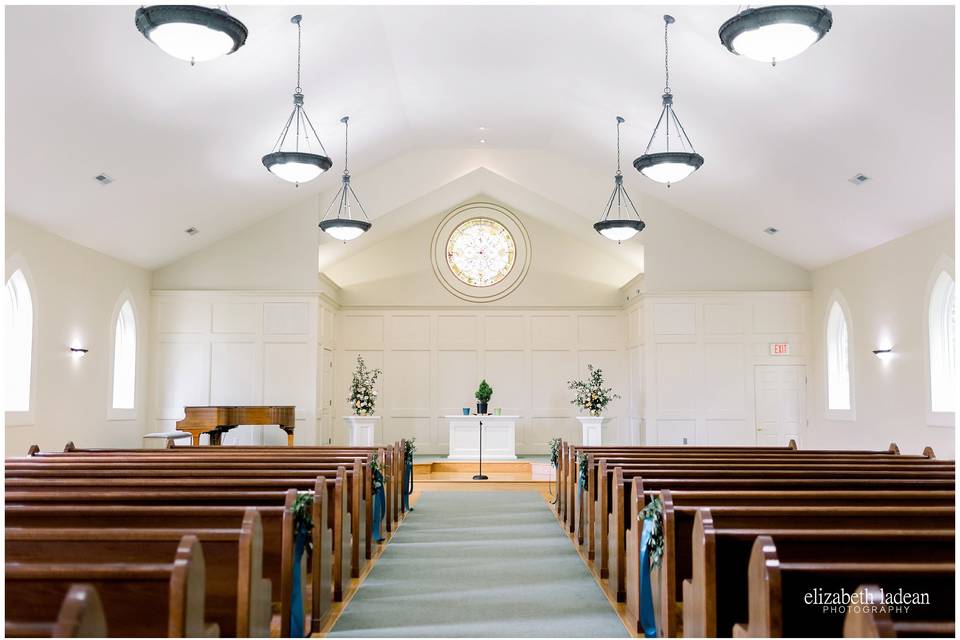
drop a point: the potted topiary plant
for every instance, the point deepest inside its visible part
(483, 394)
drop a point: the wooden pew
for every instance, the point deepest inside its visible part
(211, 464)
(596, 504)
(214, 478)
(80, 616)
(625, 458)
(679, 512)
(877, 622)
(567, 467)
(777, 587)
(139, 600)
(714, 598)
(745, 480)
(237, 595)
(393, 473)
(193, 508)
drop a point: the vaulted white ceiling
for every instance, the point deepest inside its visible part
(85, 94)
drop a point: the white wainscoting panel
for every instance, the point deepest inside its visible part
(702, 350)
(236, 348)
(433, 360)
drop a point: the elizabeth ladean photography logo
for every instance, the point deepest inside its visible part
(884, 601)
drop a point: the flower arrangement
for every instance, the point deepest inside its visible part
(591, 395)
(554, 451)
(363, 396)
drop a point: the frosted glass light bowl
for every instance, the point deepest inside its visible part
(668, 167)
(191, 33)
(296, 166)
(775, 33)
(344, 229)
(619, 230)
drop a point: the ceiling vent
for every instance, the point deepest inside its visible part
(192, 231)
(771, 231)
(103, 179)
(859, 179)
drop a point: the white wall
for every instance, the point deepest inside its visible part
(433, 360)
(886, 289)
(700, 353)
(564, 271)
(235, 348)
(75, 293)
(279, 253)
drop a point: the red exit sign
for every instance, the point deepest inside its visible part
(779, 348)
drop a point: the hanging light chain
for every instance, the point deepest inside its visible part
(299, 39)
(619, 122)
(666, 54)
(346, 144)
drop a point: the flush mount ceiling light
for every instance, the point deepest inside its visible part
(775, 33)
(668, 165)
(297, 162)
(344, 226)
(626, 222)
(194, 34)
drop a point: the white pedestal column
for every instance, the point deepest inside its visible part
(362, 430)
(593, 427)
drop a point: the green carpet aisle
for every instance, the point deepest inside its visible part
(478, 564)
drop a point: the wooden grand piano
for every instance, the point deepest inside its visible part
(216, 421)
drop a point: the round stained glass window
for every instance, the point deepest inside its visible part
(481, 252)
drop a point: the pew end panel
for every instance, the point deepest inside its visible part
(321, 568)
(80, 616)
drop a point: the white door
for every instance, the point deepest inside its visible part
(781, 392)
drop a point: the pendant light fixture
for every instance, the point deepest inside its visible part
(194, 34)
(344, 226)
(671, 164)
(775, 33)
(297, 162)
(622, 226)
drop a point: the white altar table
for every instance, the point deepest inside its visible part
(499, 437)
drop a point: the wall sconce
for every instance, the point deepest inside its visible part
(79, 351)
(883, 354)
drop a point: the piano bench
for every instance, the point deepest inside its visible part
(162, 439)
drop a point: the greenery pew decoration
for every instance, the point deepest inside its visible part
(302, 542)
(651, 554)
(554, 452)
(379, 498)
(554, 461)
(409, 448)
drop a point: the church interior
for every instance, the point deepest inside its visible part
(450, 320)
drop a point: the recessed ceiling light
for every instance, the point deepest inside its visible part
(483, 141)
(103, 179)
(482, 128)
(192, 231)
(858, 179)
(771, 231)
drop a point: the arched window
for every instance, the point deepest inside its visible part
(124, 358)
(18, 310)
(942, 344)
(838, 360)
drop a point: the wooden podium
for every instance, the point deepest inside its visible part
(216, 421)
